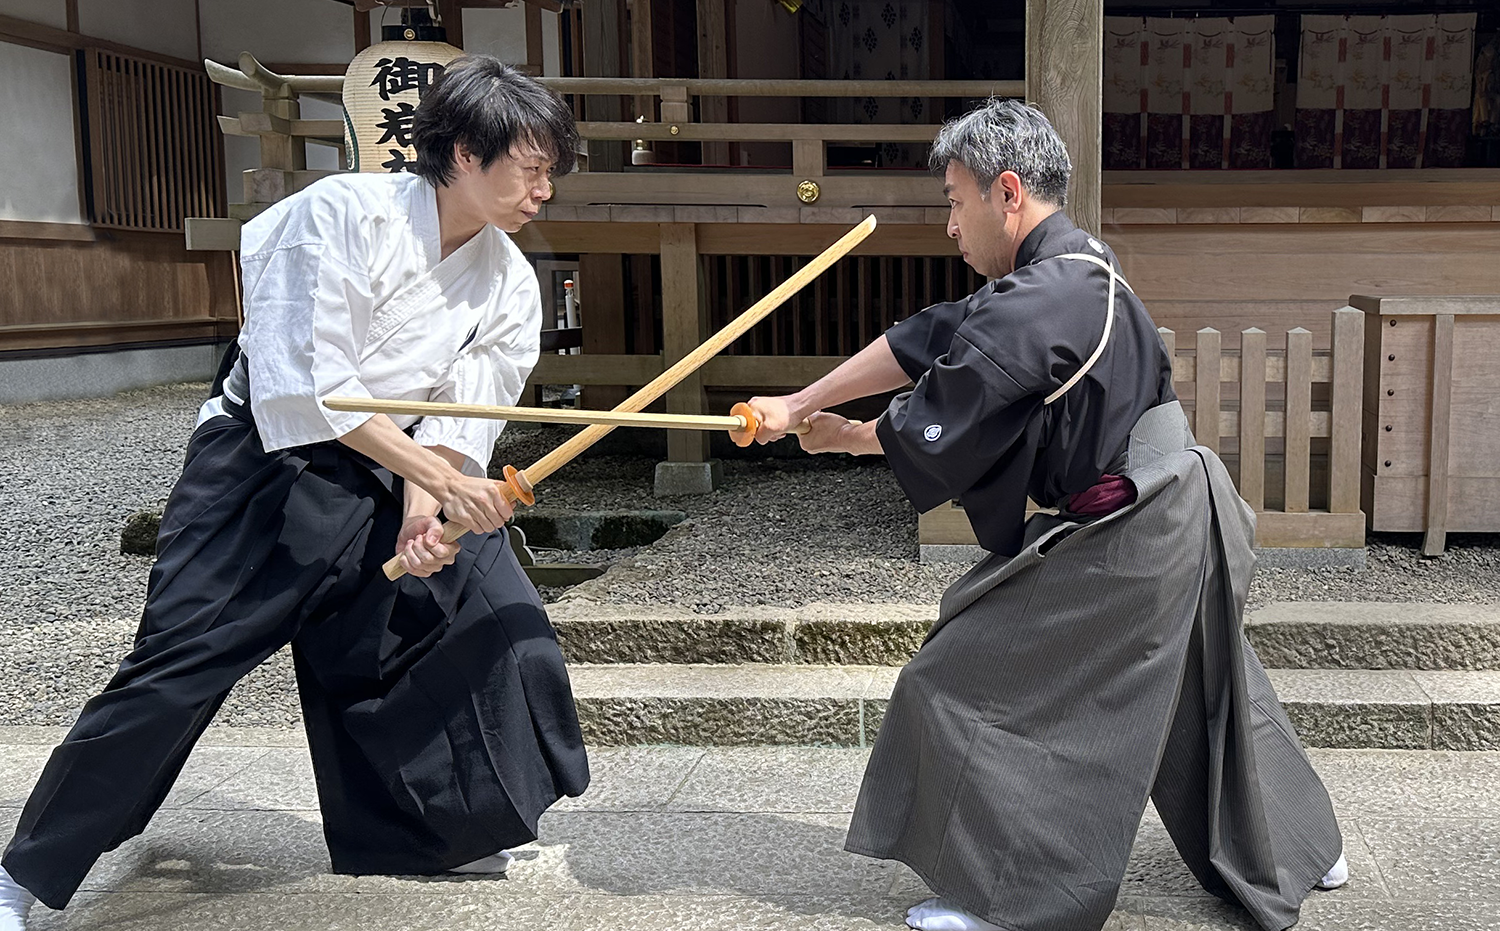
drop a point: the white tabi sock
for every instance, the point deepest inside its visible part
(943, 915)
(15, 903)
(1337, 875)
(494, 863)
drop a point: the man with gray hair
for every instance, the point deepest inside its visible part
(1094, 658)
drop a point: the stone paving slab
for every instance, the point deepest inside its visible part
(1293, 635)
(669, 839)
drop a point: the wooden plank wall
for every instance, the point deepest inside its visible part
(123, 287)
(1280, 276)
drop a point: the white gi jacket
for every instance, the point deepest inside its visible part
(345, 294)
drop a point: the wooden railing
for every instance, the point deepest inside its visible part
(284, 136)
(154, 156)
(1306, 404)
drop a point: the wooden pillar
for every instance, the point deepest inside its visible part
(601, 286)
(535, 57)
(1065, 78)
(603, 22)
(682, 332)
(713, 62)
(642, 55)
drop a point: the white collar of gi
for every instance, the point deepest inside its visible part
(429, 232)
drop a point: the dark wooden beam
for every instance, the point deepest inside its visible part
(535, 57)
(50, 38)
(713, 62)
(452, 14)
(361, 30)
(603, 23)
(642, 52)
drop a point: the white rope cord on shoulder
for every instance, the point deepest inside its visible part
(1109, 321)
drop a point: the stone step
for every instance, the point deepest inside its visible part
(821, 705)
(1293, 635)
(1370, 635)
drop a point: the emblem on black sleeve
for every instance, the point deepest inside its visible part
(932, 432)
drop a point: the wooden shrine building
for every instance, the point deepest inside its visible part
(1254, 163)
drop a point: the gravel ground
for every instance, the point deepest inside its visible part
(780, 531)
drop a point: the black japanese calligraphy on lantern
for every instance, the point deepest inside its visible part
(401, 74)
(397, 124)
(398, 162)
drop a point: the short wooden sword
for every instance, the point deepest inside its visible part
(518, 485)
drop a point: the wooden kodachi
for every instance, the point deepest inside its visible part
(517, 487)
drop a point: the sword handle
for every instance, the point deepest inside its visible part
(515, 488)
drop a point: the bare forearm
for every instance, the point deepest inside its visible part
(872, 370)
(860, 439)
(419, 503)
(428, 474)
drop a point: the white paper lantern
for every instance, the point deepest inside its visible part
(382, 88)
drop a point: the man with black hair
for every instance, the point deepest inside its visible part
(1094, 658)
(438, 710)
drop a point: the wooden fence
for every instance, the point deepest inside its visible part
(154, 154)
(1288, 428)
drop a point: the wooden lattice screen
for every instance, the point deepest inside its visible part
(153, 144)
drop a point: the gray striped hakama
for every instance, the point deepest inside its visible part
(1102, 665)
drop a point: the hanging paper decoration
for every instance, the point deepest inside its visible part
(1385, 91)
(1188, 93)
(382, 88)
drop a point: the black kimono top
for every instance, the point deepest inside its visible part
(975, 427)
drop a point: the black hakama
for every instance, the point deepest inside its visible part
(438, 711)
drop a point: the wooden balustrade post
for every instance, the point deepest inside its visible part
(676, 108)
(1253, 417)
(1297, 424)
(281, 153)
(1345, 419)
(282, 150)
(1206, 403)
(1169, 341)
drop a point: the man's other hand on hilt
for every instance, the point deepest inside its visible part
(421, 548)
(830, 433)
(826, 433)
